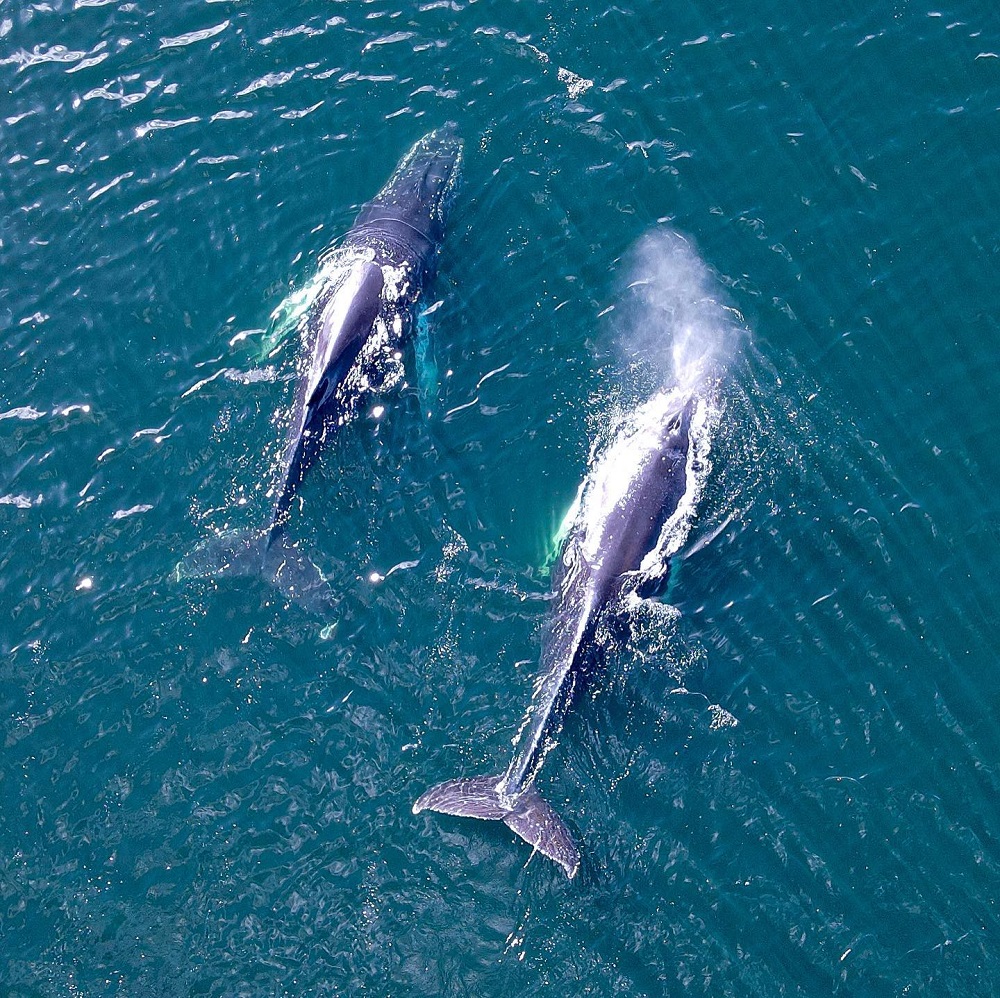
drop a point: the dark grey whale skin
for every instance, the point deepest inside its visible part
(401, 228)
(601, 563)
(381, 267)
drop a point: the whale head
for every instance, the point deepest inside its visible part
(418, 195)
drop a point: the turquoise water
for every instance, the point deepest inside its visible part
(207, 791)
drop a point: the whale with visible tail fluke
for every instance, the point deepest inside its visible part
(632, 518)
(633, 515)
(358, 312)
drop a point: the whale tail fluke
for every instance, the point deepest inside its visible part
(268, 554)
(527, 814)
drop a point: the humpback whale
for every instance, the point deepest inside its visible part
(633, 514)
(353, 318)
(385, 261)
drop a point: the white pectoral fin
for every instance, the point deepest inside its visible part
(342, 327)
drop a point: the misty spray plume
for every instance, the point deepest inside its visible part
(674, 323)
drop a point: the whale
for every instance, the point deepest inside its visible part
(354, 319)
(631, 518)
(384, 263)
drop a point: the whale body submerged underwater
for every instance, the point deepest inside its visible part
(633, 515)
(359, 310)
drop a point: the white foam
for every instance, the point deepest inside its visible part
(677, 529)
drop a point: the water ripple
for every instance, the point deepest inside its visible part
(208, 792)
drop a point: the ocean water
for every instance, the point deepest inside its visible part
(791, 788)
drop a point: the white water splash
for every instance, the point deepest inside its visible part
(674, 533)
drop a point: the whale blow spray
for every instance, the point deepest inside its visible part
(674, 321)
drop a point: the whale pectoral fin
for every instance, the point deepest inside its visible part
(527, 814)
(346, 322)
(425, 364)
